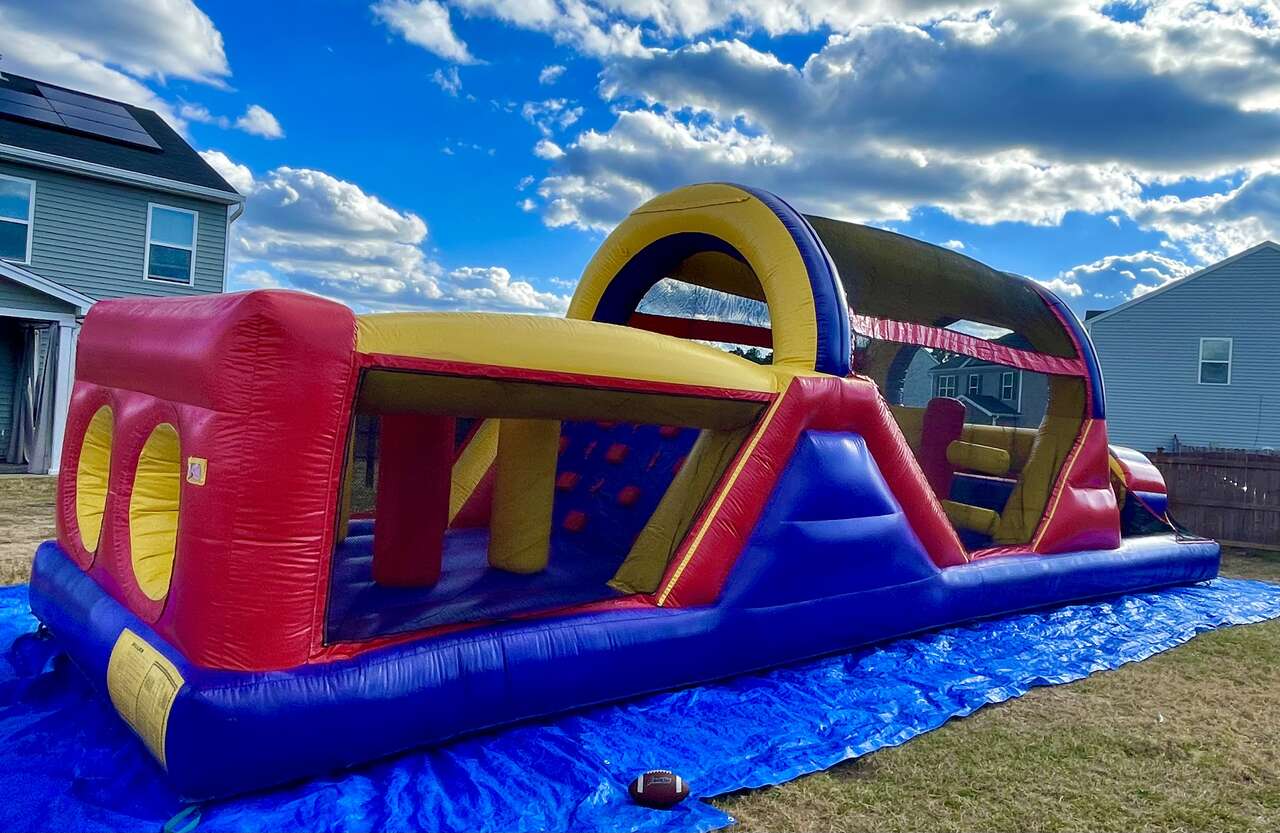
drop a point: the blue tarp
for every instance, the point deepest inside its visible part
(69, 764)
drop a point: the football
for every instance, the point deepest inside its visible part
(659, 788)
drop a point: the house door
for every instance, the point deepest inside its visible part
(10, 360)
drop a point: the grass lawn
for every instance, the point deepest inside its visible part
(1187, 740)
(26, 519)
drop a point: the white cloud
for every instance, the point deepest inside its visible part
(200, 113)
(258, 121)
(1021, 113)
(1116, 277)
(590, 28)
(109, 49)
(448, 80)
(603, 175)
(1062, 287)
(237, 175)
(145, 38)
(1219, 224)
(550, 74)
(552, 114)
(547, 149)
(956, 245)
(492, 287)
(424, 23)
(309, 230)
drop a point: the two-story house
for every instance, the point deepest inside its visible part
(993, 394)
(98, 199)
(1195, 362)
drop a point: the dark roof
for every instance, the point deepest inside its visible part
(990, 404)
(175, 159)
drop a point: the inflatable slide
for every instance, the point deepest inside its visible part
(292, 539)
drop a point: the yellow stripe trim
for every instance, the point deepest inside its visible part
(721, 497)
(1066, 477)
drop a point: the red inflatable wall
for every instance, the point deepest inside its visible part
(256, 386)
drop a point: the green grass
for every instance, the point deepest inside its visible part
(1187, 740)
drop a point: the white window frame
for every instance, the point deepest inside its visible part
(1230, 355)
(195, 236)
(30, 221)
(1007, 383)
(970, 388)
(945, 382)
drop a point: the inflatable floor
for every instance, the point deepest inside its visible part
(70, 764)
(292, 539)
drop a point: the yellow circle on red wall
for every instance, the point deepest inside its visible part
(93, 472)
(153, 511)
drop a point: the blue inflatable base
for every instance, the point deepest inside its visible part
(71, 764)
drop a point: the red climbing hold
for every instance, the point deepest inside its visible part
(574, 521)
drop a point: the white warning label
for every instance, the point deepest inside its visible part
(143, 685)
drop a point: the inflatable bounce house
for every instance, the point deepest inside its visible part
(292, 539)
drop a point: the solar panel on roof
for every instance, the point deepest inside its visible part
(25, 98)
(81, 113)
(126, 121)
(24, 111)
(137, 137)
(55, 95)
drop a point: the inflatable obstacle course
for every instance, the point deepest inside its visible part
(292, 539)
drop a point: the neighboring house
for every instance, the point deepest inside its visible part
(917, 383)
(993, 394)
(98, 199)
(1197, 359)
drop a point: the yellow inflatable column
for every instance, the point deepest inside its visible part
(523, 492)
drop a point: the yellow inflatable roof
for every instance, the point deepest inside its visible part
(559, 345)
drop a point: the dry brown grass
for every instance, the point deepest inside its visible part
(26, 519)
(1188, 740)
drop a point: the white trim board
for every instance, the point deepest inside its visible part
(37, 315)
(93, 169)
(1266, 244)
(45, 286)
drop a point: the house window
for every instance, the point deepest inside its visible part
(171, 245)
(1006, 385)
(975, 384)
(1215, 361)
(947, 386)
(17, 209)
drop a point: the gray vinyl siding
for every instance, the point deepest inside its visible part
(16, 296)
(1150, 355)
(90, 235)
(917, 385)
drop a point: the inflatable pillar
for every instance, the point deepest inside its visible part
(523, 493)
(415, 463)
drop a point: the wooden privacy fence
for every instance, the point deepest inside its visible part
(1231, 496)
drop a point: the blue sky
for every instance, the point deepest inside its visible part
(472, 154)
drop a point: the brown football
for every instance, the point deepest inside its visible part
(659, 788)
